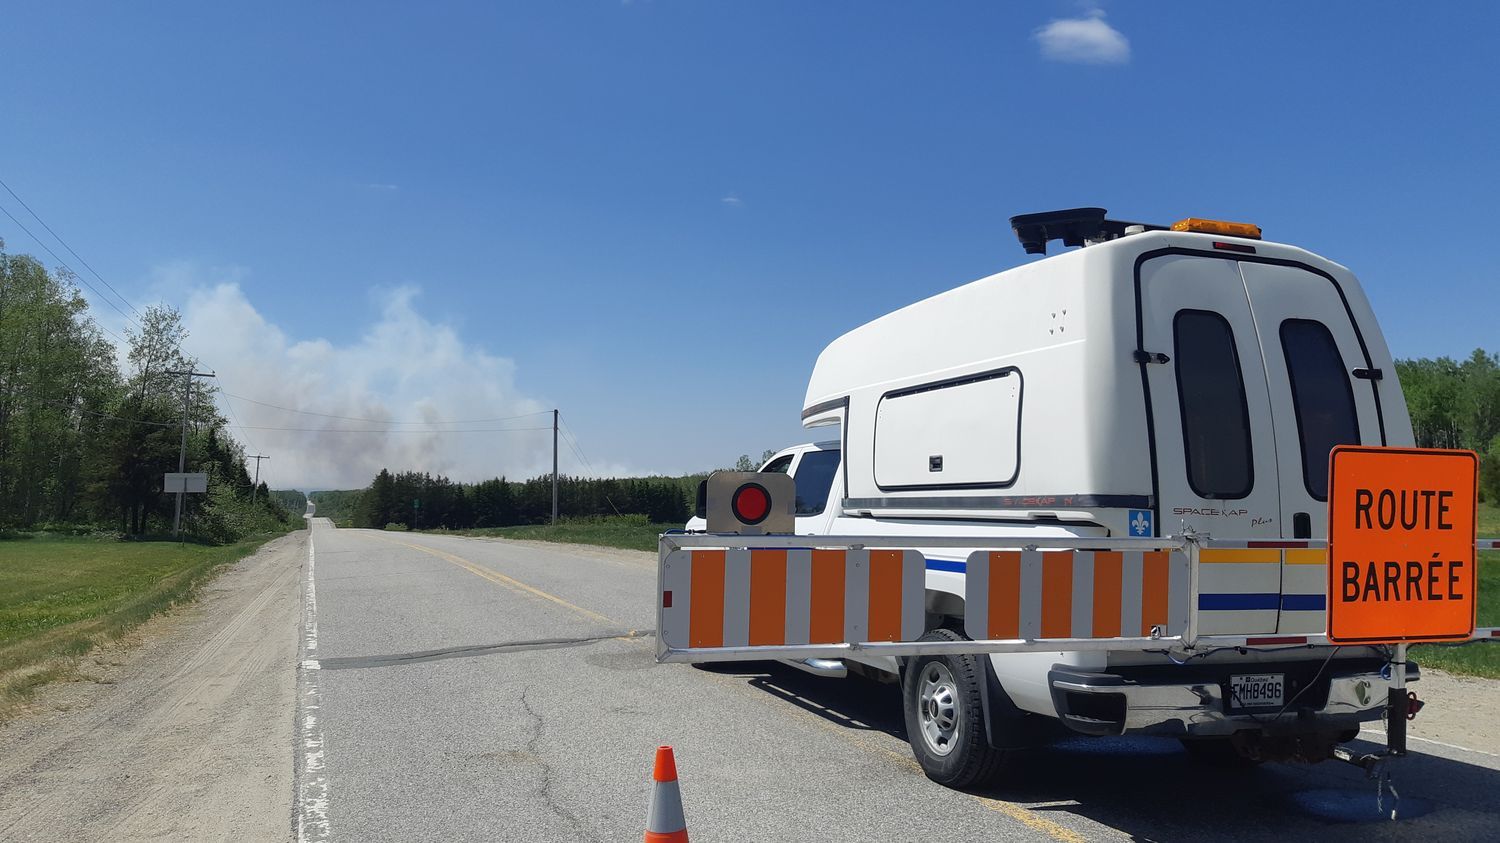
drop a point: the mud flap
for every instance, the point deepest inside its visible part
(1006, 726)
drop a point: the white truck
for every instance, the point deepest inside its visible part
(1158, 388)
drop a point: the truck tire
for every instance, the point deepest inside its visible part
(945, 716)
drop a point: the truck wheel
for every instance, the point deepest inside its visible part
(945, 716)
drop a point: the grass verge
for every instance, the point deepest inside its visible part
(627, 532)
(60, 596)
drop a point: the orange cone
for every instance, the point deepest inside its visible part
(665, 823)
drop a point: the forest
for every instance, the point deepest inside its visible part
(88, 428)
(1456, 404)
(421, 501)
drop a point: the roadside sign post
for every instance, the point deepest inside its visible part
(187, 402)
(191, 483)
(183, 483)
(1401, 555)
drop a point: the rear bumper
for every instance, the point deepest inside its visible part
(1152, 701)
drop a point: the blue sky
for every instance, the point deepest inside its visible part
(655, 214)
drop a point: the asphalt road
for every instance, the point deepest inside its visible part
(465, 689)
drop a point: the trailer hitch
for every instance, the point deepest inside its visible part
(1401, 707)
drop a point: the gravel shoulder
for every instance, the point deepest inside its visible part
(182, 730)
(1458, 710)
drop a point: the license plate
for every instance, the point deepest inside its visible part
(1260, 690)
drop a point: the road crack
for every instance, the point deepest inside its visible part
(548, 779)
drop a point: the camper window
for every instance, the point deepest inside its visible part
(1321, 397)
(1215, 416)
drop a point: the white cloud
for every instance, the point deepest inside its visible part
(732, 200)
(402, 367)
(1085, 40)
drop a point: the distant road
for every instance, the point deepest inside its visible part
(480, 690)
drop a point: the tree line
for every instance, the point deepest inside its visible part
(1456, 404)
(420, 501)
(84, 443)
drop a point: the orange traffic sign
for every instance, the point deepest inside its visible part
(1401, 544)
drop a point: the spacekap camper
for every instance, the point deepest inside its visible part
(1101, 479)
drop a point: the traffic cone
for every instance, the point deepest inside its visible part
(665, 823)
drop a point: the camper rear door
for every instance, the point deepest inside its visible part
(1215, 445)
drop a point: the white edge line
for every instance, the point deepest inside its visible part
(1411, 737)
(310, 818)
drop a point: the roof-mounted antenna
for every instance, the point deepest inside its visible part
(1074, 226)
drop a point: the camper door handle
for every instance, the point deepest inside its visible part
(1150, 357)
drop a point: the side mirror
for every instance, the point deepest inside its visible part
(702, 509)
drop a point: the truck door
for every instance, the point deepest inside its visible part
(815, 473)
(1311, 349)
(1215, 446)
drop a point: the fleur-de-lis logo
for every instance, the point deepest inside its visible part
(1140, 524)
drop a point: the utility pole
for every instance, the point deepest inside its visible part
(187, 399)
(554, 467)
(256, 485)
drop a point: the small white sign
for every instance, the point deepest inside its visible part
(189, 483)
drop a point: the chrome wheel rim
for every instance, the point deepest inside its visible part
(938, 708)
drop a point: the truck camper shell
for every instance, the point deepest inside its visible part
(1099, 385)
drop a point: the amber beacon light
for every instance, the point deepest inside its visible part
(1230, 229)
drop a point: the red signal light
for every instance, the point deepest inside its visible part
(751, 503)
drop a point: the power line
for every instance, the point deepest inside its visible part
(69, 248)
(379, 430)
(577, 449)
(67, 406)
(383, 421)
(64, 265)
(241, 425)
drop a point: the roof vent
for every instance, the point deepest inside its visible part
(1074, 226)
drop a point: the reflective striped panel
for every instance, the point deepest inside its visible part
(1043, 594)
(1304, 591)
(1239, 590)
(771, 598)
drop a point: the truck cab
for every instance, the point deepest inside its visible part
(813, 466)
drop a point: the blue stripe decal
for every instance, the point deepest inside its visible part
(947, 565)
(1303, 602)
(1232, 602)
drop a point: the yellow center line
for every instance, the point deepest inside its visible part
(1032, 820)
(500, 579)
